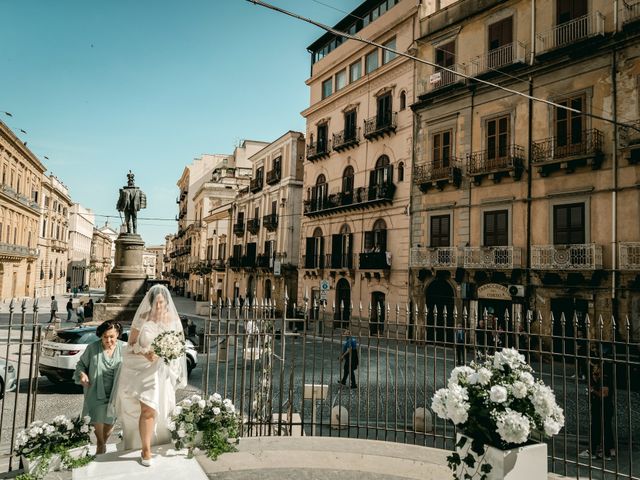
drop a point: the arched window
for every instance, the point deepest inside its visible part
(403, 100)
(376, 239)
(314, 253)
(381, 179)
(319, 193)
(347, 185)
(401, 172)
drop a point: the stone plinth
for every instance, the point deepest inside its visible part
(126, 282)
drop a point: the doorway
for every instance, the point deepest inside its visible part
(342, 315)
(439, 298)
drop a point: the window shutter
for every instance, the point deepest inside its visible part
(368, 240)
(308, 261)
(336, 250)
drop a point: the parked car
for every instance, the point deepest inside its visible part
(9, 383)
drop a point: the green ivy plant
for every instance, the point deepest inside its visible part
(471, 467)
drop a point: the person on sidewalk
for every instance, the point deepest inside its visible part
(54, 309)
(350, 357)
(602, 443)
(80, 312)
(460, 345)
(69, 309)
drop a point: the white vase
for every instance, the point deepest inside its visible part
(55, 461)
(528, 462)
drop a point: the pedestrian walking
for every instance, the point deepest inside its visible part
(80, 312)
(600, 388)
(88, 309)
(350, 357)
(460, 345)
(69, 309)
(54, 309)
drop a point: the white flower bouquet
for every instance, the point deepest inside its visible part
(42, 440)
(499, 403)
(168, 345)
(207, 425)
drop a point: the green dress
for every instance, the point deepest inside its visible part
(101, 371)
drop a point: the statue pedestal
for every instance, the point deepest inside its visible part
(125, 283)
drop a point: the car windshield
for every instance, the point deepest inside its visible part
(75, 336)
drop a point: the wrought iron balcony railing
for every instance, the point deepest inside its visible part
(434, 257)
(274, 176)
(313, 261)
(256, 184)
(253, 225)
(248, 261)
(238, 228)
(375, 261)
(442, 78)
(492, 257)
(270, 221)
(630, 11)
(264, 261)
(318, 150)
(358, 199)
(629, 255)
(498, 58)
(10, 250)
(235, 262)
(436, 174)
(566, 257)
(346, 139)
(510, 159)
(218, 264)
(586, 147)
(570, 32)
(340, 261)
(380, 125)
(27, 202)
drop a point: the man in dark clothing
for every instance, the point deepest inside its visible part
(54, 309)
(602, 442)
(69, 309)
(350, 356)
(460, 341)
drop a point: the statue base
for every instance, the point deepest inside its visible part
(126, 282)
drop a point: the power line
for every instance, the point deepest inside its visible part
(433, 64)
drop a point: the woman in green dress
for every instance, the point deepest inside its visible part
(96, 371)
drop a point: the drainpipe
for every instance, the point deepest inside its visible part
(529, 194)
(615, 17)
(533, 32)
(614, 193)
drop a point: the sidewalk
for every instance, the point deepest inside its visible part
(44, 303)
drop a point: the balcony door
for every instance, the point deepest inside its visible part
(570, 28)
(383, 117)
(446, 57)
(380, 177)
(323, 136)
(350, 119)
(319, 194)
(441, 152)
(496, 228)
(440, 237)
(569, 127)
(342, 249)
(497, 142)
(347, 185)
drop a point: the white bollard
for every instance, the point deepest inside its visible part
(422, 420)
(339, 417)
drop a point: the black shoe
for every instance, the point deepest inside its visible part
(342, 383)
(354, 386)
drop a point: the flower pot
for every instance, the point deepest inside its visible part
(32, 465)
(79, 452)
(527, 462)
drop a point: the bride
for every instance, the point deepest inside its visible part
(146, 392)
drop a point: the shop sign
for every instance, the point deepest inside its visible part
(494, 291)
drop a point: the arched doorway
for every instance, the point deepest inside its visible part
(342, 315)
(439, 295)
(267, 289)
(376, 323)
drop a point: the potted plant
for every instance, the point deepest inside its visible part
(61, 444)
(212, 425)
(500, 411)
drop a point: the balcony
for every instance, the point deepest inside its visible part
(58, 245)
(380, 125)
(436, 175)
(492, 257)
(346, 139)
(255, 185)
(629, 255)
(27, 202)
(313, 261)
(273, 176)
(443, 78)
(270, 221)
(253, 225)
(339, 261)
(569, 33)
(510, 162)
(238, 228)
(630, 11)
(248, 261)
(375, 261)
(235, 262)
(566, 257)
(318, 150)
(498, 58)
(12, 252)
(218, 264)
(562, 153)
(264, 261)
(434, 257)
(360, 199)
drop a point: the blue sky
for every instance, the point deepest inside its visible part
(105, 86)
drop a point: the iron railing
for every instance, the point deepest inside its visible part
(340, 261)
(437, 172)
(346, 138)
(280, 367)
(319, 149)
(375, 261)
(274, 175)
(442, 78)
(492, 257)
(379, 125)
(253, 225)
(377, 193)
(9, 249)
(498, 58)
(630, 11)
(629, 255)
(313, 261)
(270, 221)
(570, 32)
(256, 184)
(589, 142)
(429, 257)
(509, 158)
(26, 201)
(238, 228)
(566, 257)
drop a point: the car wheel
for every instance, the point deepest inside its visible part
(1, 388)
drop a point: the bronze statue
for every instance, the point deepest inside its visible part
(131, 200)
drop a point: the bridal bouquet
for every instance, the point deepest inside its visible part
(168, 345)
(499, 403)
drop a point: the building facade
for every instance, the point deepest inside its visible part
(265, 238)
(20, 195)
(81, 225)
(100, 259)
(520, 204)
(53, 241)
(158, 259)
(357, 173)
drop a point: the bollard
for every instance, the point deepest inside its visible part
(339, 417)
(422, 420)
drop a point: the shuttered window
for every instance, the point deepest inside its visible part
(496, 228)
(440, 235)
(568, 224)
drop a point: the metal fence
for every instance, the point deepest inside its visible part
(283, 374)
(20, 339)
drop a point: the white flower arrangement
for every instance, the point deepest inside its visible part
(169, 345)
(42, 440)
(499, 403)
(214, 418)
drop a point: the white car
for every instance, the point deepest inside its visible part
(60, 354)
(10, 381)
